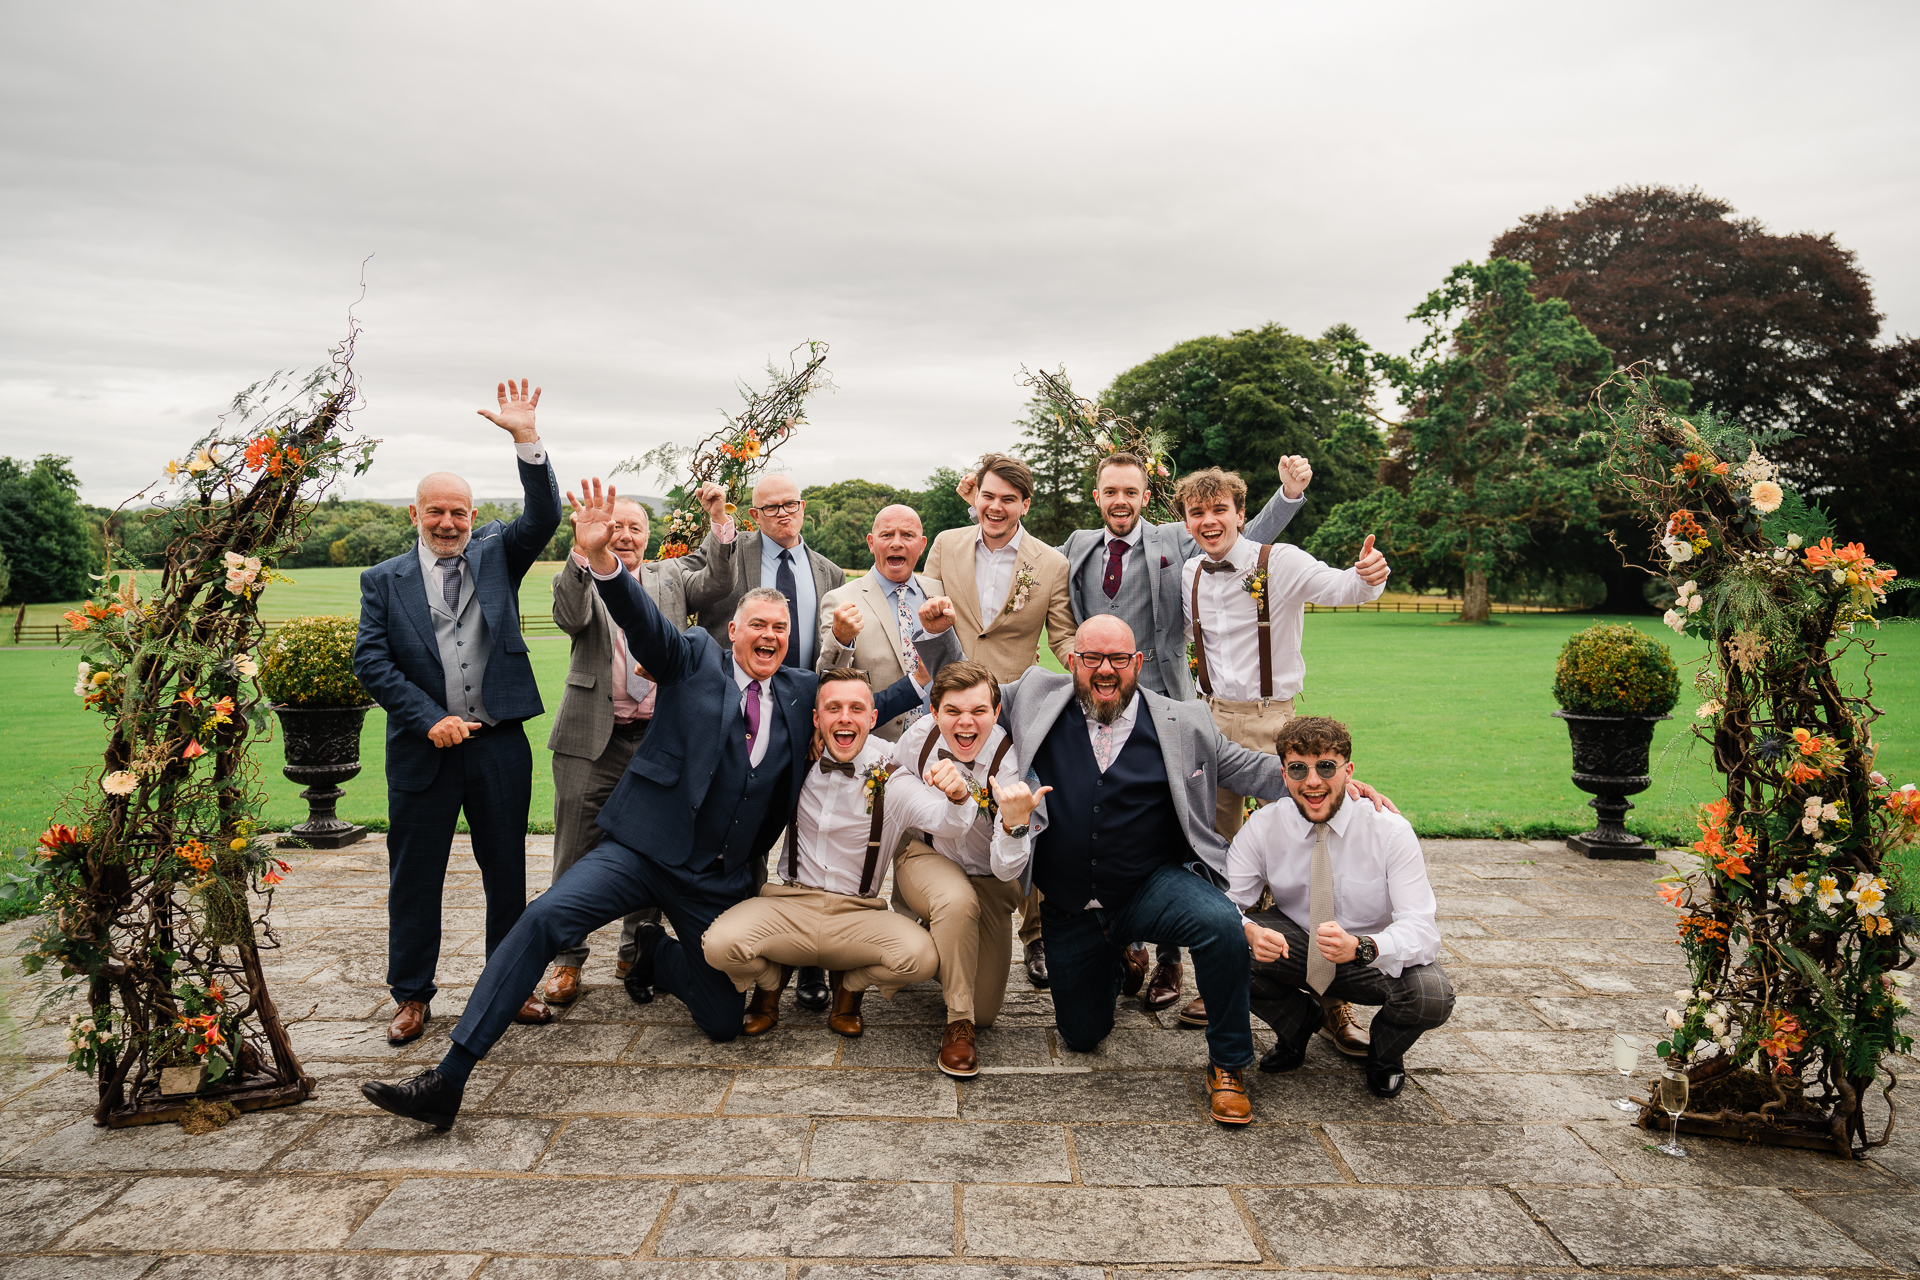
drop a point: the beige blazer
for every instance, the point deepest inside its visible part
(1007, 643)
(876, 650)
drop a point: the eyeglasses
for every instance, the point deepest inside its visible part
(781, 508)
(1297, 769)
(1095, 661)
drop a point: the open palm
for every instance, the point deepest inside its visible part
(516, 410)
(592, 518)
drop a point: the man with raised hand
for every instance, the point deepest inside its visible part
(963, 875)
(440, 650)
(706, 793)
(870, 622)
(1353, 911)
(609, 701)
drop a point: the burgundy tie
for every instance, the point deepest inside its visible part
(753, 713)
(1110, 581)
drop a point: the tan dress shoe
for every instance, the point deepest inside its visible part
(845, 1017)
(763, 1011)
(1136, 971)
(409, 1020)
(1227, 1096)
(1194, 1016)
(620, 968)
(957, 1055)
(1163, 988)
(533, 1013)
(1346, 1034)
(564, 986)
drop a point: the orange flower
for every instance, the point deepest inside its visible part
(189, 697)
(76, 620)
(1745, 842)
(1671, 894)
(57, 837)
(1800, 773)
(275, 877)
(1729, 864)
(194, 853)
(1717, 814)
(192, 750)
(1786, 1039)
(258, 451)
(215, 993)
(224, 707)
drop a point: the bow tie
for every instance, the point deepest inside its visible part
(1218, 566)
(829, 765)
(945, 754)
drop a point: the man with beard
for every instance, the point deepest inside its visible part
(706, 794)
(1353, 910)
(440, 649)
(1129, 850)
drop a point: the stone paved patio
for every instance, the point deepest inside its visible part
(619, 1142)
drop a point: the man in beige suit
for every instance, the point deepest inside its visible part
(1005, 586)
(608, 703)
(869, 623)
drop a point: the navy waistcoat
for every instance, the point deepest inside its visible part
(746, 806)
(1106, 833)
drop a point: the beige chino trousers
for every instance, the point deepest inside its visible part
(1253, 725)
(793, 925)
(971, 920)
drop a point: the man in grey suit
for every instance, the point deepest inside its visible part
(870, 622)
(609, 703)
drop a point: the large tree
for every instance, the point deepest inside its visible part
(1062, 474)
(1244, 401)
(1492, 453)
(840, 515)
(46, 533)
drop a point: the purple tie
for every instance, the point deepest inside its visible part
(753, 713)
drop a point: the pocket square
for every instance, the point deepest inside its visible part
(1197, 772)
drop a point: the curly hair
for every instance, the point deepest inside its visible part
(1313, 737)
(1204, 486)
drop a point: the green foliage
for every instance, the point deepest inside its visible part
(1243, 402)
(1612, 669)
(48, 540)
(1062, 474)
(939, 504)
(6, 575)
(839, 517)
(1901, 868)
(22, 883)
(309, 663)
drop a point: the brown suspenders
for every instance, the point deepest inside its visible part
(869, 882)
(1265, 637)
(993, 770)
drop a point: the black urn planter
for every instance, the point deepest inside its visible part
(323, 751)
(1610, 760)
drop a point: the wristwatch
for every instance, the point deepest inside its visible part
(1018, 832)
(1366, 951)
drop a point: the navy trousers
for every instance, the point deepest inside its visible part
(490, 777)
(609, 883)
(1175, 907)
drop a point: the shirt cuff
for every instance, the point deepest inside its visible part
(723, 529)
(598, 576)
(532, 452)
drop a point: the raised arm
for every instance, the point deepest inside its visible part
(573, 595)
(654, 642)
(1296, 473)
(530, 531)
(709, 580)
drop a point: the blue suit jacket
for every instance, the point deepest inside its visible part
(653, 808)
(398, 660)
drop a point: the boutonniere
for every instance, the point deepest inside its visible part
(981, 796)
(876, 778)
(1255, 585)
(1023, 584)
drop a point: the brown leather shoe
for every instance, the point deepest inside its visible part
(763, 1011)
(620, 968)
(1346, 1034)
(1163, 988)
(564, 986)
(1194, 1016)
(1227, 1096)
(957, 1056)
(845, 1017)
(533, 1013)
(1136, 966)
(409, 1020)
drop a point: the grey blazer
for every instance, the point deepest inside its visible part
(1199, 760)
(744, 576)
(680, 587)
(876, 650)
(1168, 547)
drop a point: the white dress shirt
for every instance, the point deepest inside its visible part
(964, 832)
(1230, 620)
(1380, 886)
(760, 740)
(834, 822)
(993, 573)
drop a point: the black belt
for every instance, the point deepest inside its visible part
(497, 725)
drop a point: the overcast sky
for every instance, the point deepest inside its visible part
(636, 205)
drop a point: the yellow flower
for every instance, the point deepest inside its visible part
(237, 844)
(200, 461)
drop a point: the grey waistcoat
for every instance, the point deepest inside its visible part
(1133, 604)
(463, 645)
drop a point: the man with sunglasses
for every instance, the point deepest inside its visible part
(1352, 910)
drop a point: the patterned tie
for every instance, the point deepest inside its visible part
(784, 583)
(1103, 745)
(909, 656)
(1319, 911)
(450, 582)
(1116, 553)
(753, 713)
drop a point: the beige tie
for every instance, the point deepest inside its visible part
(1319, 911)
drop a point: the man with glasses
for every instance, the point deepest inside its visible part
(1352, 910)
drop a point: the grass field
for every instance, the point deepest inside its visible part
(1452, 721)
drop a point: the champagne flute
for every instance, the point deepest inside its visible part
(1626, 1056)
(1672, 1093)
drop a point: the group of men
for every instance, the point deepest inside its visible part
(901, 723)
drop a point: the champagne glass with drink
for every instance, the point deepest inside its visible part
(1626, 1056)
(1672, 1093)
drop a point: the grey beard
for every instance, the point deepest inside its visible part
(1097, 713)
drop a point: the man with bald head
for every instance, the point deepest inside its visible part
(440, 649)
(775, 555)
(870, 623)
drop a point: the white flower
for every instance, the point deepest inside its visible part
(1795, 889)
(246, 666)
(1678, 621)
(1678, 550)
(82, 686)
(1765, 497)
(1899, 1003)
(1840, 575)
(1693, 605)
(1708, 709)
(1900, 979)
(1877, 778)
(1825, 848)
(1756, 468)
(1829, 894)
(119, 783)
(1674, 1019)
(1795, 541)
(1869, 895)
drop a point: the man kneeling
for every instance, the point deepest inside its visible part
(1353, 910)
(829, 911)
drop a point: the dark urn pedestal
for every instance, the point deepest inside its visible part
(1610, 760)
(323, 751)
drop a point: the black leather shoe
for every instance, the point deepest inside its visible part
(1280, 1058)
(1037, 964)
(428, 1098)
(811, 991)
(639, 979)
(1386, 1079)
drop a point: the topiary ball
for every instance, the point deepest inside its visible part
(309, 663)
(1615, 669)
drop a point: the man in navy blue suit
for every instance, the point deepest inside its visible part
(440, 649)
(707, 792)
